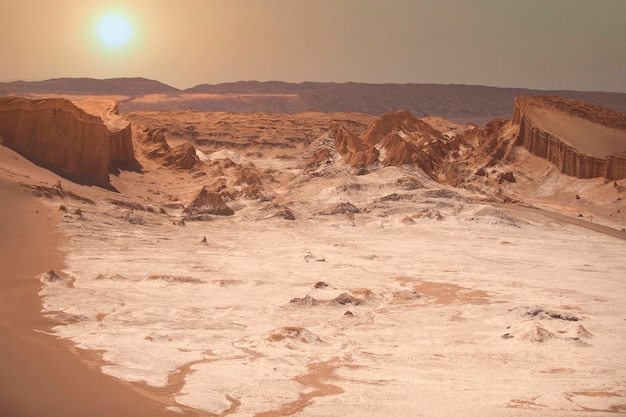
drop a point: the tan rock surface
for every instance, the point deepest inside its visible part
(61, 136)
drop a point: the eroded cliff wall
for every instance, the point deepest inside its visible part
(57, 134)
(120, 134)
(616, 166)
(556, 149)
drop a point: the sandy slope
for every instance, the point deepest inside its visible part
(41, 375)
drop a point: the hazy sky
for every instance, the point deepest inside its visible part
(547, 44)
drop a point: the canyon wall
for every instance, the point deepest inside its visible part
(57, 134)
(119, 130)
(544, 144)
(616, 166)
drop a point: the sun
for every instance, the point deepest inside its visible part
(114, 31)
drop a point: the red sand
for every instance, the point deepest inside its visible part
(40, 375)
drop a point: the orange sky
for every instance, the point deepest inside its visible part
(548, 44)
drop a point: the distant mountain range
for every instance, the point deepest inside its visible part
(460, 103)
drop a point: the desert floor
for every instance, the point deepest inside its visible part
(426, 302)
(40, 374)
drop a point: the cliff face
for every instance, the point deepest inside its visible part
(539, 117)
(567, 159)
(616, 166)
(65, 138)
(119, 130)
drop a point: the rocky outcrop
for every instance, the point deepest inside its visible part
(154, 145)
(353, 150)
(59, 135)
(395, 139)
(205, 204)
(182, 156)
(558, 149)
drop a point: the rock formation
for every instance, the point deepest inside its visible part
(57, 134)
(205, 204)
(120, 132)
(395, 139)
(543, 130)
(154, 145)
(182, 156)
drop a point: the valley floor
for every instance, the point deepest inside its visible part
(476, 314)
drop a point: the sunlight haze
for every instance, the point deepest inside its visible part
(560, 44)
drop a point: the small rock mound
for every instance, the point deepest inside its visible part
(306, 301)
(345, 298)
(428, 213)
(534, 332)
(341, 208)
(114, 277)
(505, 176)
(542, 313)
(540, 325)
(410, 183)
(175, 279)
(398, 197)
(407, 220)
(443, 193)
(291, 334)
(404, 296)
(492, 215)
(206, 203)
(285, 213)
(49, 276)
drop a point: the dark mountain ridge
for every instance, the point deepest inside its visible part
(457, 102)
(114, 86)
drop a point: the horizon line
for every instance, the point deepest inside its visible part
(303, 82)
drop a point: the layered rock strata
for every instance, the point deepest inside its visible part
(605, 130)
(395, 139)
(59, 135)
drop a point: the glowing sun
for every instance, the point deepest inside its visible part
(114, 31)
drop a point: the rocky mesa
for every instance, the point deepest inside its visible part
(81, 143)
(581, 139)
